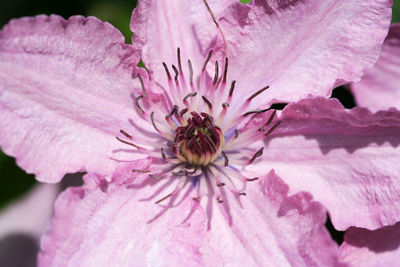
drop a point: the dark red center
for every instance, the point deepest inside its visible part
(199, 137)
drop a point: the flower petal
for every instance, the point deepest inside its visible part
(160, 28)
(347, 159)
(111, 222)
(268, 227)
(114, 223)
(65, 92)
(363, 247)
(302, 47)
(379, 89)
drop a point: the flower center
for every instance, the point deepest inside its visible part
(200, 141)
(188, 148)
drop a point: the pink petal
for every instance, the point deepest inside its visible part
(65, 92)
(363, 247)
(380, 88)
(114, 224)
(31, 214)
(160, 28)
(347, 159)
(271, 228)
(303, 47)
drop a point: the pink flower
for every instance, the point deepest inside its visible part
(190, 178)
(379, 89)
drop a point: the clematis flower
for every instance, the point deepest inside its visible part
(181, 158)
(379, 89)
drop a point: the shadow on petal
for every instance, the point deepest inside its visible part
(381, 240)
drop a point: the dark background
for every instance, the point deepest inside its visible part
(13, 181)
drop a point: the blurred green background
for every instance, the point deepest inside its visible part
(13, 181)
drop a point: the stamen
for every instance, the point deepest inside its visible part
(223, 112)
(164, 198)
(225, 70)
(167, 71)
(257, 93)
(179, 60)
(216, 73)
(207, 102)
(180, 173)
(232, 88)
(153, 121)
(142, 85)
(172, 112)
(206, 141)
(251, 179)
(172, 123)
(176, 73)
(128, 143)
(183, 111)
(155, 176)
(207, 59)
(189, 95)
(226, 163)
(206, 115)
(178, 187)
(256, 155)
(241, 193)
(137, 103)
(141, 171)
(191, 71)
(125, 134)
(255, 112)
(163, 153)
